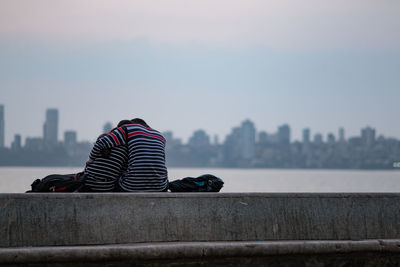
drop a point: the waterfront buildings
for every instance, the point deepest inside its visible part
(240, 148)
(341, 135)
(2, 130)
(70, 138)
(284, 134)
(306, 136)
(248, 140)
(16, 144)
(50, 127)
(368, 137)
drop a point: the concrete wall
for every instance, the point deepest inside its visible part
(176, 254)
(90, 219)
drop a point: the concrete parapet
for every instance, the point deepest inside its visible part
(263, 253)
(117, 218)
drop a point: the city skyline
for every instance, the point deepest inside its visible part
(51, 134)
(243, 147)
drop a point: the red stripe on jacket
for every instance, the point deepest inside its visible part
(143, 133)
(115, 139)
(123, 132)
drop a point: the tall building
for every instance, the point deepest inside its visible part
(284, 134)
(232, 147)
(263, 138)
(368, 137)
(248, 139)
(341, 135)
(34, 143)
(16, 144)
(331, 139)
(70, 138)
(306, 135)
(172, 142)
(2, 130)
(318, 140)
(50, 127)
(199, 140)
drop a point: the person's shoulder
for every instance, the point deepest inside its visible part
(134, 129)
(139, 127)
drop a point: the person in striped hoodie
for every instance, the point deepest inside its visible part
(146, 169)
(102, 172)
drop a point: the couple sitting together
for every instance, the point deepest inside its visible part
(129, 158)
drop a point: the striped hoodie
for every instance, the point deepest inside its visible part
(102, 174)
(146, 157)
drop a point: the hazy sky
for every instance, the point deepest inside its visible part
(186, 65)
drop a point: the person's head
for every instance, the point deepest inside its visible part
(139, 121)
(123, 122)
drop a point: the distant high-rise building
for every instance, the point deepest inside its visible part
(331, 138)
(318, 140)
(306, 146)
(70, 138)
(248, 139)
(273, 138)
(50, 127)
(107, 127)
(199, 140)
(2, 130)
(368, 136)
(232, 148)
(172, 142)
(16, 144)
(263, 137)
(341, 135)
(34, 143)
(284, 134)
(306, 135)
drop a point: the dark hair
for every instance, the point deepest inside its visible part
(123, 122)
(139, 121)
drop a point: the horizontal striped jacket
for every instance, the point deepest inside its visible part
(146, 157)
(102, 174)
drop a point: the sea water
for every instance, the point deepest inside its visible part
(19, 179)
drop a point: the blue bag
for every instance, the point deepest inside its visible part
(203, 183)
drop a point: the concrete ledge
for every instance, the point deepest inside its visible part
(96, 219)
(177, 251)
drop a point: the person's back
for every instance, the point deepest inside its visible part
(146, 164)
(102, 174)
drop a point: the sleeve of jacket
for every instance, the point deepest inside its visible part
(115, 138)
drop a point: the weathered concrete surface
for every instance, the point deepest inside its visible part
(95, 219)
(270, 253)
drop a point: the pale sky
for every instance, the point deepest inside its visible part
(188, 65)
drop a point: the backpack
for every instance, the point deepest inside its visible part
(203, 183)
(58, 183)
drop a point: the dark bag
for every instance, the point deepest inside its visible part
(58, 183)
(203, 183)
